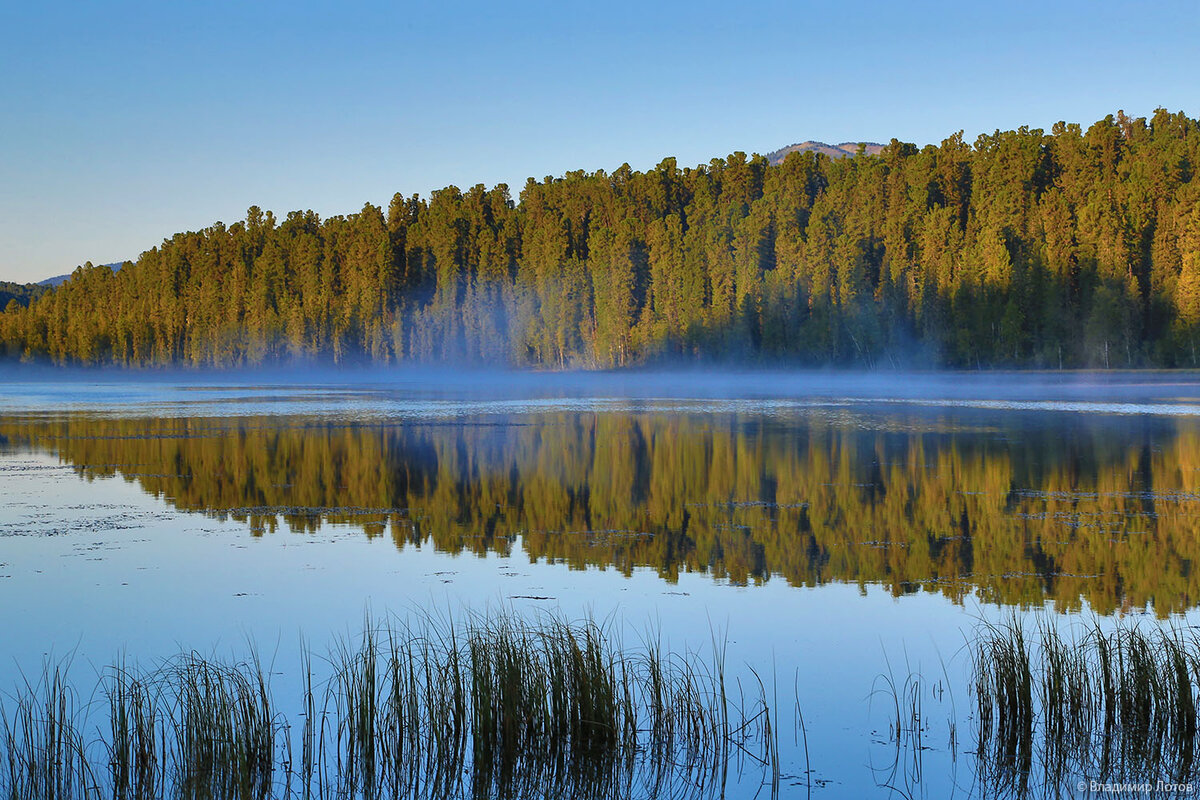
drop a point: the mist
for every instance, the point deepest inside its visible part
(1164, 388)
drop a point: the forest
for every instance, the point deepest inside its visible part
(23, 293)
(1064, 249)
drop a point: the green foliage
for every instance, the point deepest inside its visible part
(19, 295)
(1026, 248)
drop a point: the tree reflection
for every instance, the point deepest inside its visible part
(1095, 511)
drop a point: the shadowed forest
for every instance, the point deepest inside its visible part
(1071, 511)
(1026, 248)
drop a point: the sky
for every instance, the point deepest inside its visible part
(123, 123)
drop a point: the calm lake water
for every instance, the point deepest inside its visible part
(834, 531)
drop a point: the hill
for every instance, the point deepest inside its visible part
(23, 293)
(842, 150)
(58, 280)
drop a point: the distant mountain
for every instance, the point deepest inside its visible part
(832, 150)
(58, 280)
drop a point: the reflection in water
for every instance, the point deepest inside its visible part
(1069, 507)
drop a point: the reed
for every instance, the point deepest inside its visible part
(1111, 705)
(135, 746)
(45, 755)
(490, 706)
(908, 726)
(224, 732)
(501, 707)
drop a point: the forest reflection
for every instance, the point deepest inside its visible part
(1102, 510)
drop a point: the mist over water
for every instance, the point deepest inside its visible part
(1174, 392)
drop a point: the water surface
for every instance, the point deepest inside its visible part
(830, 531)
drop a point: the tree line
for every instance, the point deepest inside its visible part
(1025, 248)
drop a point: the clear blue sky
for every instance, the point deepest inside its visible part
(122, 123)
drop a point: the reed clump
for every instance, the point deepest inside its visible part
(45, 756)
(501, 707)
(486, 706)
(1113, 706)
(224, 730)
(134, 746)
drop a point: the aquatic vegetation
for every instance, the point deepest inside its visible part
(226, 733)
(44, 753)
(134, 747)
(1113, 706)
(489, 706)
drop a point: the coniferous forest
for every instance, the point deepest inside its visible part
(1070, 248)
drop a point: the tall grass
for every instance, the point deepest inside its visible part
(134, 747)
(224, 732)
(491, 706)
(501, 707)
(1110, 705)
(44, 752)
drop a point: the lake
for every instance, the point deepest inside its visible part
(842, 538)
